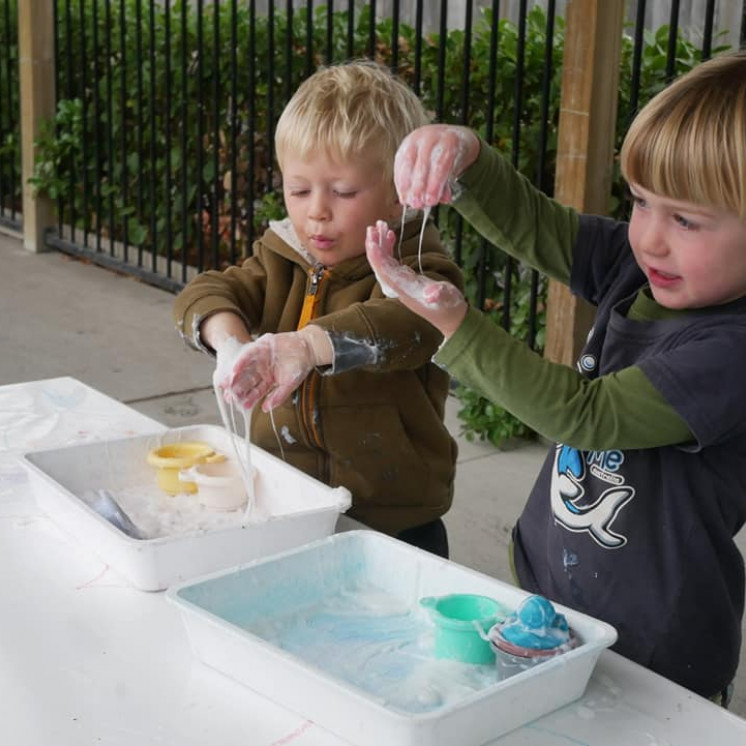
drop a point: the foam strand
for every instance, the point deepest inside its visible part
(247, 470)
(401, 229)
(425, 216)
(277, 435)
(244, 461)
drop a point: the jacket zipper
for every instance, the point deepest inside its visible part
(311, 300)
(310, 388)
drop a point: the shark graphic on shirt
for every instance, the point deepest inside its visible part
(569, 474)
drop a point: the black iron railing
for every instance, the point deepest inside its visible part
(10, 151)
(174, 105)
(162, 147)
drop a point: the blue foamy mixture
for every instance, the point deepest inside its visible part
(379, 644)
(536, 625)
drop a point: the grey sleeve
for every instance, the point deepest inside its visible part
(350, 352)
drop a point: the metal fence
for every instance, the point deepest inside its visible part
(161, 158)
(10, 153)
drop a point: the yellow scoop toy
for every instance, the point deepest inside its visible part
(170, 459)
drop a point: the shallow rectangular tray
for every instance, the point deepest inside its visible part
(300, 508)
(232, 618)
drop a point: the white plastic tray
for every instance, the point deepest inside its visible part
(296, 508)
(235, 620)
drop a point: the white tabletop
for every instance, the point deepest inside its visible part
(87, 659)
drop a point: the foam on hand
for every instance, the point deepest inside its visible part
(427, 181)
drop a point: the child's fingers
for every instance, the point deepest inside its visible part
(246, 375)
(248, 391)
(420, 294)
(440, 170)
(373, 247)
(251, 376)
(378, 248)
(380, 240)
(428, 162)
(386, 238)
(412, 165)
(276, 397)
(424, 165)
(248, 399)
(420, 176)
(404, 161)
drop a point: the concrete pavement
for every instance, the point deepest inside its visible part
(64, 317)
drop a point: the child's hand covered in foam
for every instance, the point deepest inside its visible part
(438, 302)
(226, 353)
(272, 367)
(428, 162)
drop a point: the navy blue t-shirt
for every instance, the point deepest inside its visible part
(643, 539)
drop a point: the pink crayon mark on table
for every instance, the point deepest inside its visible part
(299, 731)
(100, 575)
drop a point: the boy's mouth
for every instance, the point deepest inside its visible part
(320, 242)
(662, 279)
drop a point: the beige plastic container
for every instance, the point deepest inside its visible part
(219, 485)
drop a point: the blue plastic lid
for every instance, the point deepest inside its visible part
(536, 625)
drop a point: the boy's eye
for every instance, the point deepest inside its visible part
(345, 195)
(685, 223)
(298, 192)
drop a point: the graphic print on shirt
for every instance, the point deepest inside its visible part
(574, 471)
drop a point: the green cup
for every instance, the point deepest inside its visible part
(462, 621)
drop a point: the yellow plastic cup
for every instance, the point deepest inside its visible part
(170, 459)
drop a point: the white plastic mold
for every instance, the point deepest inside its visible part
(234, 621)
(297, 508)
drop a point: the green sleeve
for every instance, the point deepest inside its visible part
(516, 217)
(620, 410)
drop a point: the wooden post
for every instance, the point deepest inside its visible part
(585, 147)
(36, 67)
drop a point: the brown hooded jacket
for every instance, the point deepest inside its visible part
(375, 425)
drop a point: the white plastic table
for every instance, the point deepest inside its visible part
(86, 659)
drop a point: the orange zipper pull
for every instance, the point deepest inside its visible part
(315, 275)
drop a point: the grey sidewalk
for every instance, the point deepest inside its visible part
(62, 317)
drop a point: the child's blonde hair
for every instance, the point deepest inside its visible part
(689, 142)
(347, 111)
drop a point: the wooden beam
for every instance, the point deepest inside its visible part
(585, 147)
(36, 69)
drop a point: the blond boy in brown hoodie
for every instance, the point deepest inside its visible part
(304, 327)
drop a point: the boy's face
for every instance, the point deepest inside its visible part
(693, 256)
(331, 203)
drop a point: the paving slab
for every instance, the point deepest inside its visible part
(61, 316)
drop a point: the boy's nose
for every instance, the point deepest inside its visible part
(318, 208)
(653, 239)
